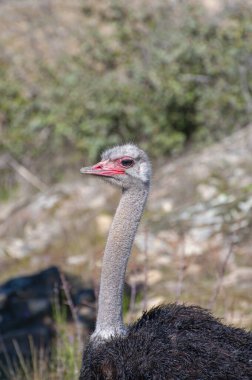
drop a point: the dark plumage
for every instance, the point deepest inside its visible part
(173, 342)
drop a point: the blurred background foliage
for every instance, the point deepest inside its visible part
(77, 76)
(164, 75)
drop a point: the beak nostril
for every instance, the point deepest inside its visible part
(98, 166)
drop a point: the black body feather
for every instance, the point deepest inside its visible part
(173, 342)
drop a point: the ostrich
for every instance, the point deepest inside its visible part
(172, 342)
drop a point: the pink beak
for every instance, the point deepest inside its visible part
(103, 168)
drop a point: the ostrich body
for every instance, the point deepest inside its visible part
(172, 342)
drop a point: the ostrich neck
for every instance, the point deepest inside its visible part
(118, 248)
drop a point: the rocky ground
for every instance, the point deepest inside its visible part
(194, 244)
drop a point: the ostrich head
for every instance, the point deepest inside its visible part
(124, 166)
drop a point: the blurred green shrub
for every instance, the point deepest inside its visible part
(164, 76)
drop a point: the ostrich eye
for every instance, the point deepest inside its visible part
(127, 162)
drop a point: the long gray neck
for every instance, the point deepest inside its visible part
(118, 248)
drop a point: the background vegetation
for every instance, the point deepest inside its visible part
(162, 75)
(79, 75)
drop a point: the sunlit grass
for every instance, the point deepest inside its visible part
(61, 363)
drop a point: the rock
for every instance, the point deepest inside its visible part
(77, 259)
(16, 249)
(207, 192)
(103, 223)
(66, 208)
(151, 244)
(193, 269)
(191, 247)
(167, 205)
(26, 311)
(153, 277)
(246, 206)
(163, 261)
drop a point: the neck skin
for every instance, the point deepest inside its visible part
(118, 248)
